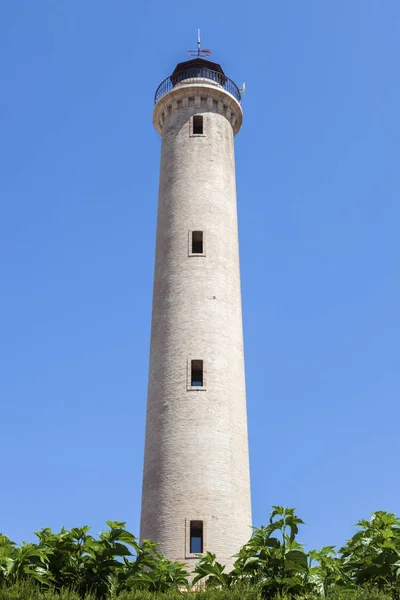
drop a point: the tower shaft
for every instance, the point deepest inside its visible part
(196, 487)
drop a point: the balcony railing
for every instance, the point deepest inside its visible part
(197, 73)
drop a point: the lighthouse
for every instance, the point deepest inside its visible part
(196, 482)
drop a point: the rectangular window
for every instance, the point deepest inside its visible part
(196, 373)
(197, 125)
(197, 242)
(196, 537)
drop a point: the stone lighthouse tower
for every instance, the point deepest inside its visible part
(196, 484)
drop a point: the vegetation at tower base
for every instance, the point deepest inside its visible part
(73, 565)
(113, 563)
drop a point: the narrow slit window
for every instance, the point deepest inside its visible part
(196, 374)
(197, 125)
(197, 242)
(196, 537)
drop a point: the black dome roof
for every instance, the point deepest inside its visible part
(198, 62)
(198, 67)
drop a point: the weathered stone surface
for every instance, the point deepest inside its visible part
(196, 464)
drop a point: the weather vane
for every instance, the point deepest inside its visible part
(199, 52)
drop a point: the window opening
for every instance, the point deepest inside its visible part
(196, 537)
(197, 124)
(196, 375)
(197, 242)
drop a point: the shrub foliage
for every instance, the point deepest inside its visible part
(73, 565)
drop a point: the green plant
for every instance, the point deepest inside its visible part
(276, 565)
(325, 571)
(372, 556)
(208, 568)
(26, 562)
(74, 565)
(76, 560)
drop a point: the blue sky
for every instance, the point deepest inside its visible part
(318, 196)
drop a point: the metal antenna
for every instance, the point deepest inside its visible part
(199, 52)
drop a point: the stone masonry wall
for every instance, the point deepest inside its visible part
(196, 463)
